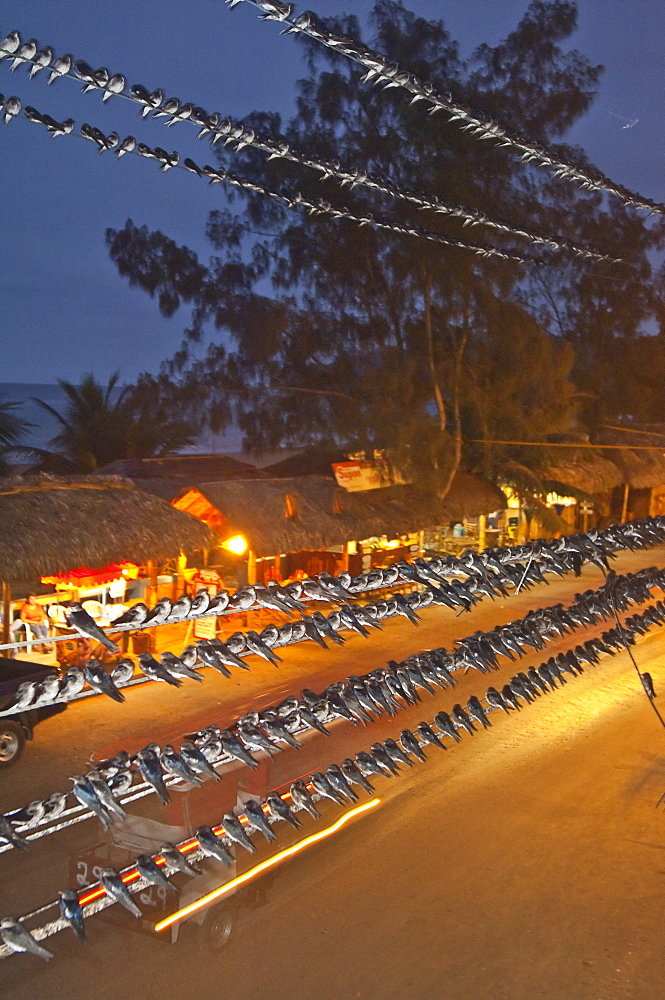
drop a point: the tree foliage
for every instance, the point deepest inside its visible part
(103, 423)
(323, 332)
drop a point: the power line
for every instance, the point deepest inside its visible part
(236, 134)
(380, 71)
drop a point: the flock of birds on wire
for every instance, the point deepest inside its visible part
(358, 699)
(338, 783)
(486, 574)
(218, 128)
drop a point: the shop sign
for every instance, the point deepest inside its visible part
(357, 476)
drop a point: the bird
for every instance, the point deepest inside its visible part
(278, 809)
(380, 754)
(277, 730)
(78, 617)
(10, 44)
(322, 787)
(157, 671)
(18, 938)
(88, 797)
(368, 764)
(151, 769)
(158, 614)
(256, 645)
(397, 753)
(200, 603)
(176, 666)
(354, 775)
(104, 795)
(115, 888)
(72, 911)
(232, 746)
(25, 693)
(647, 683)
(212, 846)
(12, 108)
(174, 763)
(302, 799)
(411, 744)
(99, 680)
(478, 712)
(123, 672)
(8, 835)
(137, 614)
(114, 85)
(257, 819)
(340, 783)
(197, 761)
(60, 67)
(428, 735)
(151, 872)
(252, 736)
(24, 53)
(177, 860)
(41, 60)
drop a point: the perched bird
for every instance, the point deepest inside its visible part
(232, 746)
(41, 60)
(114, 85)
(8, 835)
(411, 744)
(447, 727)
(647, 683)
(197, 761)
(151, 769)
(10, 44)
(428, 735)
(72, 911)
(302, 798)
(104, 795)
(157, 671)
(212, 846)
(177, 860)
(278, 809)
(478, 712)
(123, 672)
(252, 736)
(60, 67)
(88, 797)
(397, 753)
(117, 890)
(200, 603)
(18, 938)
(175, 764)
(54, 805)
(496, 700)
(368, 764)
(354, 775)
(322, 787)
(255, 644)
(176, 666)
(277, 730)
(340, 783)
(24, 53)
(78, 618)
(257, 819)
(12, 108)
(151, 871)
(25, 694)
(380, 754)
(135, 615)
(99, 680)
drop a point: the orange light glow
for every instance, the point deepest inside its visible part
(237, 544)
(223, 890)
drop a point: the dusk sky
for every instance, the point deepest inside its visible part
(65, 310)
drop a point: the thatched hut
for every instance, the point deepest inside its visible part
(310, 514)
(50, 524)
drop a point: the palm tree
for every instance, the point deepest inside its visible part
(103, 423)
(12, 429)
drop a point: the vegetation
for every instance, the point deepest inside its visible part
(318, 331)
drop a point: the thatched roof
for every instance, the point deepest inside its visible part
(49, 524)
(640, 469)
(324, 514)
(591, 474)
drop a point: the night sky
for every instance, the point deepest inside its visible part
(65, 310)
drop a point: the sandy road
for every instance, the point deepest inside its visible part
(526, 862)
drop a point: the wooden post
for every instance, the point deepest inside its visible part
(251, 567)
(624, 506)
(182, 565)
(482, 528)
(6, 612)
(151, 590)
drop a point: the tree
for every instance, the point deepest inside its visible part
(12, 431)
(368, 340)
(103, 423)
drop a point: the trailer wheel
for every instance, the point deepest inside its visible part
(216, 928)
(12, 741)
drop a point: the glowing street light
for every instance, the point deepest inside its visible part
(236, 544)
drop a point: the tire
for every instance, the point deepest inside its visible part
(12, 741)
(216, 928)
